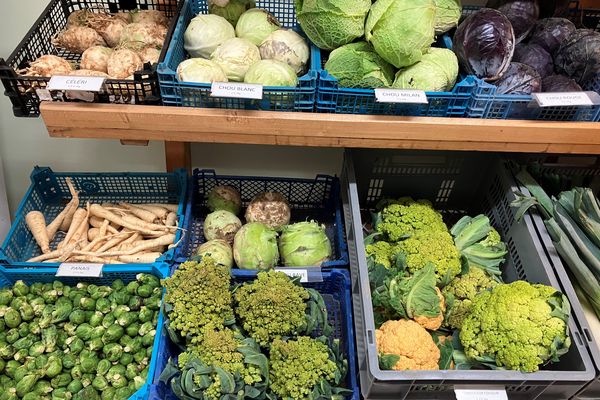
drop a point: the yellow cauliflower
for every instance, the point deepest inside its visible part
(405, 345)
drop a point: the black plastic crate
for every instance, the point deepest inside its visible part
(457, 184)
(26, 92)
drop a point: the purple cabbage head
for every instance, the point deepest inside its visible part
(484, 44)
(536, 57)
(554, 8)
(522, 14)
(519, 79)
(551, 32)
(560, 83)
(579, 56)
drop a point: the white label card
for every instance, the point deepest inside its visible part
(80, 270)
(405, 96)
(237, 90)
(79, 83)
(480, 393)
(295, 273)
(563, 99)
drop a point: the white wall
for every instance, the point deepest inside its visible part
(24, 143)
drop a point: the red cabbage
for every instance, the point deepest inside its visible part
(579, 56)
(560, 83)
(484, 44)
(519, 79)
(536, 57)
(551, 32)
(522, 14)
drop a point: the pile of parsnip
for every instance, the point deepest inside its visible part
(105, 234)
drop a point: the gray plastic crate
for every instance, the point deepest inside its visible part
(457, 184)
(587, 171)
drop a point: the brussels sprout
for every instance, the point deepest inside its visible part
(37, 349)
(152, 303)
(110, 393)
(115, 370)
(84, 331)
(21, 355)
(132, 371)
(103, 367)
(96, 319)
(149, 352)
(53, 367)
(121, 298)
(61, 380)
(138, 382)
(50, 296)
(127, 319)
(86, 379)
(82, 286)
(46, 318)
(113, 333)
(120, 310)
(77, 317)
(148, 338)
(100, 383)
(76, 372)
(134, 303)
(3, 365)
(49, 336)
(70, 328)
(32, 396)
(62, 311)
(100, 292)
(103, 305)
(108, 320)
(2, 326)
(21, 372)
(126, 359)
(88, 393)
(6, 296)
(12, 318)
(18, 302)
(140, 356)
(20, 288)
(61, 394)
(23, 343)
(97, 332)
(75, 344)
(12, 335)
(41, 361)
(144, 291)
(145, 328)
(134, 346)
(125, 340)
(32, 364)
(5, 380)
(58, 286)
(133, 329)
(117, 284)
(61, 338)
(25, 385)
(124, 392)
(24, 329)
(132, 287)
(11, 367)
(88, 363)
(113, 352)
(66, 291)
(42, 388)
(95, 344)
(69, 360)
(27, 312)
(87, 304)
(75, 386)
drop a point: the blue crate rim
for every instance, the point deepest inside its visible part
(6, 273)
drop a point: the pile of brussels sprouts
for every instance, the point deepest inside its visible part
(81, 342)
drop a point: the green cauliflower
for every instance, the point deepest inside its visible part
(463, 290)
(404, 217)
(382, 253)
(519, 326)
(432, 246)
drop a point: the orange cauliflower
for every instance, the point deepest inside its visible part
(433, 323)
(406, 345)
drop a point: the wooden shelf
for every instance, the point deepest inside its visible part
(185, 125)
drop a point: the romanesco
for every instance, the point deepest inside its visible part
(405, 217)
(198, 298)
(463, 290)
(271, 306)
(519, 325)
(301, 366)
(434, 246)
(382, 253)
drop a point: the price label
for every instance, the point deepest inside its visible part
(237, 90)
(76, 83)
(295, 273)
(80, 270)
(401, 96)
(563, 99)
(487, 393)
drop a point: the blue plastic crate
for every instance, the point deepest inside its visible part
(49, 194)
(335, 289)
(8, 276)
(185, 94)
(331, 98)
(317, 199)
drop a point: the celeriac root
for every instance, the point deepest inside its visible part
(37, 225)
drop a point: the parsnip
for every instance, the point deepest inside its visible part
(160, 212)
(140, 247)
(93, 233)
(171, 219)
(78, 218)
(142, 214)
(97, 223)
(56, 254)
(80, 233)
(115, 241)
(169, 207)
(103, 213)
(101, 235)
(66, 222)
(37, 225)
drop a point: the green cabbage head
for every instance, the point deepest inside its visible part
(304, 244)
(447, 14)
(401, 31)
(255, 247)
(356, 65)
(271, 73)
(332, 23)
(436, 72)
(231, 10)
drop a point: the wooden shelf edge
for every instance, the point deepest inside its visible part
(128, 122)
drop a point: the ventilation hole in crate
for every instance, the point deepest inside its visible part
(375, 189)
(519, 389)
(445, 191)
(516, 260)
(431, 388)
